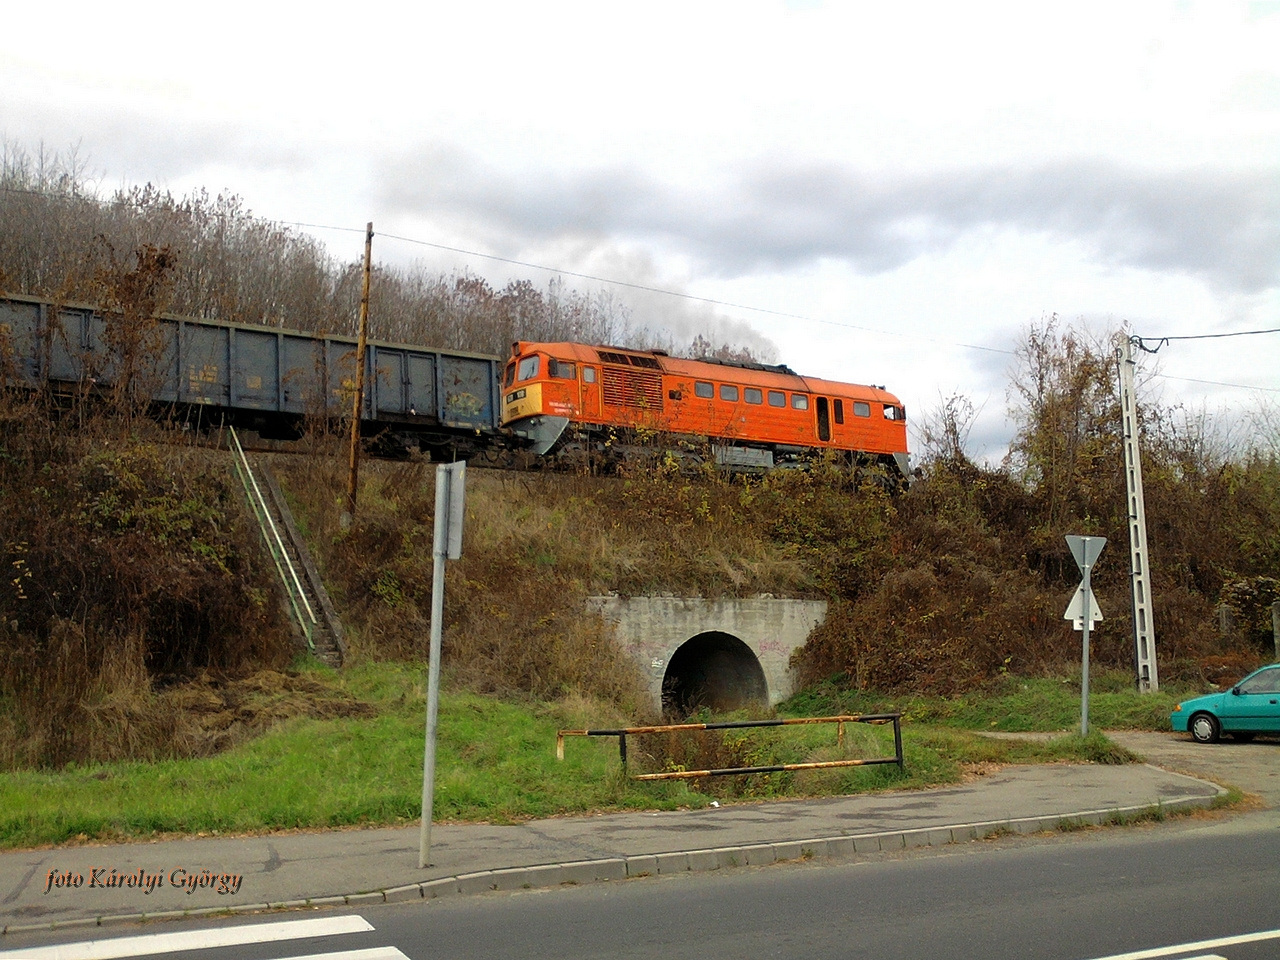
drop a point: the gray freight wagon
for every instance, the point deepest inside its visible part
(263, 378)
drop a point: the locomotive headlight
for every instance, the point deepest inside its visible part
(515, 395)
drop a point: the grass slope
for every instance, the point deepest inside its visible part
(496, 762)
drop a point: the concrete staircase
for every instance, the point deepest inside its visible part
(308, 603)
(326, 633)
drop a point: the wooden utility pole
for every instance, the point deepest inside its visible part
(357, 406)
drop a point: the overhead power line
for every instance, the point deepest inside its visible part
(1218, 383)
(728, 304)
(1162, 341)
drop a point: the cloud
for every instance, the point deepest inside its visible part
(651, 310)
(1219, 225)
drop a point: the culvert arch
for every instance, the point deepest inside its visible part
(653, 629)
(715, 670)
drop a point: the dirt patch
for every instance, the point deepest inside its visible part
(970, 772)
(223, 712)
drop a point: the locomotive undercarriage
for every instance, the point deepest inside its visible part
(599, 449)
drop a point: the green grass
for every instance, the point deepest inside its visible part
(495, 762)
(1014, 704)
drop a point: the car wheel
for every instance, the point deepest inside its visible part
(1204, 728)
(1242, 737)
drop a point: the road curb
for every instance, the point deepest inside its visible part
(573, 873)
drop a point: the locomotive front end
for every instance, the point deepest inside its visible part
(531, 405)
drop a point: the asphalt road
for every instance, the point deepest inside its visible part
(1063, 899)
(1204, 888)
(1253, 767)
(1077, 896)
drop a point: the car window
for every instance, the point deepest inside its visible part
(1265, 681)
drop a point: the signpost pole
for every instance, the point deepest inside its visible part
(1083, 610)
(450, 491)
(1084, 657)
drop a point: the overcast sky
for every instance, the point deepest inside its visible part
(898, 189)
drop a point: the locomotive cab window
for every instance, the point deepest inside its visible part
(561, 370)
(752, 395)
(837, 407)
(799, 401)
(510, 375)
(729, 392)
(777, 398)
(861, 409)
(528, 368)
(588, 374)
(704, 390)
(893, 413)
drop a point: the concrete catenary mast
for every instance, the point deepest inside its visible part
(1143, 629)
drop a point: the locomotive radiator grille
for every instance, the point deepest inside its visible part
(632, 388)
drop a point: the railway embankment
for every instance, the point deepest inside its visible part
(142, 624)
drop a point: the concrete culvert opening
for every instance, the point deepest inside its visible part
(714, 670)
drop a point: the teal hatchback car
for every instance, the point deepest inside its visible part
(1252, 706)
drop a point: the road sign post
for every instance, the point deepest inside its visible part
(451, 486)
(1084, 611)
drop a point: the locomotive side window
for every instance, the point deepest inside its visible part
(799, 401)
(861, 409)
(729, 392)
(777, 398)
(752, 395)
(588, 374)
(838, 406)
(528, 368)
(704, 390)
(891, 412)
(510, 376)
(560, 370)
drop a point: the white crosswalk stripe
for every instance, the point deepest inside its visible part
(1186, 948)
(117, 948)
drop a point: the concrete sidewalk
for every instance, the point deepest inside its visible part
(362, 866)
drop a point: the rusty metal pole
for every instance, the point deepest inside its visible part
(357, 404)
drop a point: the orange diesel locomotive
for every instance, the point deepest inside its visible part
(564, 395)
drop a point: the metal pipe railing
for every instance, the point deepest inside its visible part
(621, 733)
(302, 611)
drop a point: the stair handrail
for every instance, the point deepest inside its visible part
(319, 595)
(275, 544)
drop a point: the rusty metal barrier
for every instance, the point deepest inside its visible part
(871, 718)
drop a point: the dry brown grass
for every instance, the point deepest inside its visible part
(132, 567)
(536, 546)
